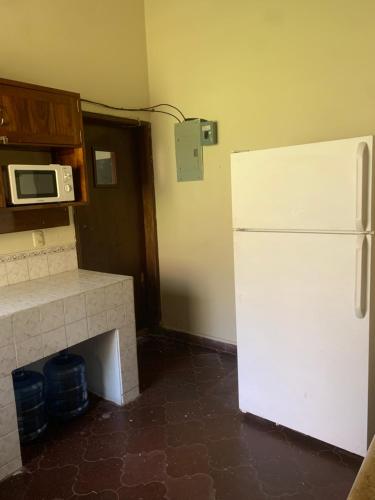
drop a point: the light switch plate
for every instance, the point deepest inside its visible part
(38, 239)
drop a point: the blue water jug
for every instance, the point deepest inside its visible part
(29, 391)
(67, 395)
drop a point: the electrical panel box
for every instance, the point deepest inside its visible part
(190, 136)
(189, 155)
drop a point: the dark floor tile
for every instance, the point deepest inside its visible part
(152, 396)
(65, 452)
(15, 487)
(144, 468)
(101, 495)
(211, 359)
(323, 470)
(240, 483)
(146, 416)
(147, 439)
(32, 454)
(197, 487)
(228, 453)
(179, 364)
(184, 438)
(226, 387)
(264, 444)
(183, 392)
(216, 405)
(111, 421)
(228, 362)
(106, 446)
(187, 460)
(281, 477)
(336, 491)
(186, 433)
(152, 491)
(209, 373)
(223, 426)
(183, 411)
(99, 476)
(52, 484)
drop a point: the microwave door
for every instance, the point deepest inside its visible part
(33, 186)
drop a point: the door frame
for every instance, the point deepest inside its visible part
(144, 147)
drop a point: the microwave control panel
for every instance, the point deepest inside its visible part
(67, 182)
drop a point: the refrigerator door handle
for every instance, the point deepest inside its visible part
(362, 165)
(361, 277)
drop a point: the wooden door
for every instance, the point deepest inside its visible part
(30, 114)
(111, 229)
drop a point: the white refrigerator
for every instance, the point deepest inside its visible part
(303, 251)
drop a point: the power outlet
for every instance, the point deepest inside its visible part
(38, 239)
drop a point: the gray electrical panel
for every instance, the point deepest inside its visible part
(189, 156)
(190, 136)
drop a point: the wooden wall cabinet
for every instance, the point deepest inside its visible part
(30, 114)
(40, 125)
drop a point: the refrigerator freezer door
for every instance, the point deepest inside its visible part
(323, 186)
(302, 349)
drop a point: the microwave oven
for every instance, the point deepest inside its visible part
(40, 184)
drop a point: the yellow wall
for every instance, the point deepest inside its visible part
(93, 47)
(272, 72)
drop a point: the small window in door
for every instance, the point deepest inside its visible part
(104, 168)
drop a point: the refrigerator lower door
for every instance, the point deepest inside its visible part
(302, 312)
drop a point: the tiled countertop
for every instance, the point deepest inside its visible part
(364, 484)
(37, 292)
(43, 316)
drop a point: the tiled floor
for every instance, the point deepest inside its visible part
(183, 439)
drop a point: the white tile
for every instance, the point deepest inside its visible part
(114, 295)
(17, 271)
(71, 260)
(26, 324)
(38, 266)
(95, 301)
(76, 332)
(127, 337)
(6, 333)
(29, 351)
(128, 296)
(11, 467)
(97, 324)
(51, 315)
(6, 390)
(54, 341)
(130, 375)
(74, 308)
(9, 448)
(8, 419)
(7, 360)
(129, 367)
(3, 274)
(116, 317)
(131, 395)
(56, 263)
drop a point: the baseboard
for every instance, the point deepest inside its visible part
(189, 338)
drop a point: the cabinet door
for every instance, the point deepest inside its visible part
(32, 116)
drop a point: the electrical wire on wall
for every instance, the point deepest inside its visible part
(151, 109)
